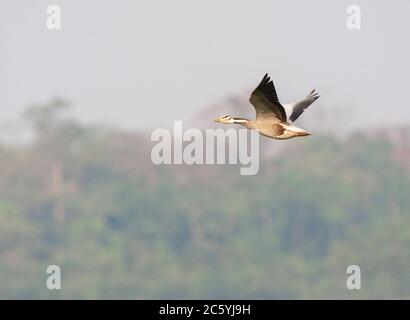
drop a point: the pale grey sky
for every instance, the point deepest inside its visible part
(147, 63)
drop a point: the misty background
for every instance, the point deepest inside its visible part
(78, 188)
(145, 63)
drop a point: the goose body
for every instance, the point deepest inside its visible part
(272, 119)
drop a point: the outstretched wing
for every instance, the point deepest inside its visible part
(265, 101)
(296, 108)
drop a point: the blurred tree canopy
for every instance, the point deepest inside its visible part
(91, 201)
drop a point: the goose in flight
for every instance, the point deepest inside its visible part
(272, 120)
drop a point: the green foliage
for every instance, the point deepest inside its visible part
(121, 227)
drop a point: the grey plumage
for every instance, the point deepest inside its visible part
(296, 108)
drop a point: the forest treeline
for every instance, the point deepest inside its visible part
(89, 199)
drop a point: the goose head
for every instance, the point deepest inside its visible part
(225, 119)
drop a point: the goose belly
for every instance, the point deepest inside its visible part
(277, 131)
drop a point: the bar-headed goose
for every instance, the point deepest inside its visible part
(271, 118)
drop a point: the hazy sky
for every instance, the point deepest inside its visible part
(147, 63)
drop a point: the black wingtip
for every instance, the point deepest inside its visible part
(313, 94)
